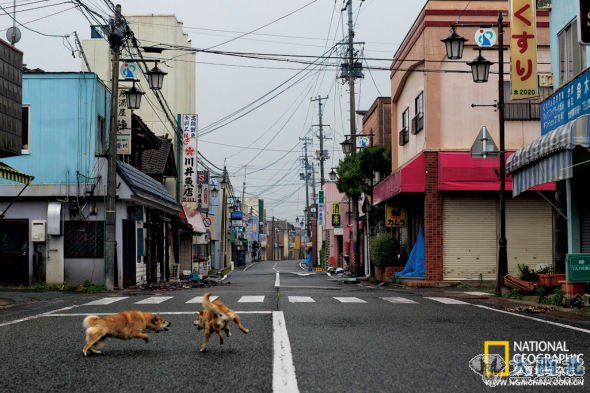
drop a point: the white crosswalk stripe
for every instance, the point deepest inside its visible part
(154, 300)
(446, 300)
(349, 300)
(399, 300)
(261, 299)
(251, 299)
(105, 300)
(300, 299)
(199, 299)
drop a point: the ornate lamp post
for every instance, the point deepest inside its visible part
(480, 67)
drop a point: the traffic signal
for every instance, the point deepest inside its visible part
(584, 21)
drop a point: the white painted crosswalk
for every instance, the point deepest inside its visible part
(159, 299)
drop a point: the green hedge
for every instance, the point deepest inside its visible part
(383, 250)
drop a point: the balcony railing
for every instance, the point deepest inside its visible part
(522, 111)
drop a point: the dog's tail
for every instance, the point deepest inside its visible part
(88, 320)
(208, 305)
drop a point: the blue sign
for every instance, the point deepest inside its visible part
(566, 104)
(236, 215)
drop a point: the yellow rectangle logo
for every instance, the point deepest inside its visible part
(486, 351)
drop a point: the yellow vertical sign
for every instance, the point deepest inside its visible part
(523, 49)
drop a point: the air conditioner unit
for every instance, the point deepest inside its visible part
(38, 231)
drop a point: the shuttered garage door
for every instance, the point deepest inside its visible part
(529, 232)
(469, 238)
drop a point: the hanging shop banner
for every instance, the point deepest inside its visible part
(395, 217)
(523, 49)
(203, 191)
(336, 220)
(123, 125)
(189, 158)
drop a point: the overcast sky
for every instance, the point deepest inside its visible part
(264, 143)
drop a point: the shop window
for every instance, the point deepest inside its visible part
(101, 135)
(404, 136)
(572, 55)
(418, 120)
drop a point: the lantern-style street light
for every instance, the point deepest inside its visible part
(480, 68)
(347, 146)
(454, 44)
(332, 174)
(155, 77)
(133, 97)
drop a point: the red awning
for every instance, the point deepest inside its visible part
(458, 171)
(409, 178)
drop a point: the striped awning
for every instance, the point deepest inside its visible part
(548, 158)
(9, 173)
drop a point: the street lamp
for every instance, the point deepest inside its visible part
(332, 174)
(454, 44)
(214, 191)
(133, 97)
(155, 77)
(480, 70)
(347, 146)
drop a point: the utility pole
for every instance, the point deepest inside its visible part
(306, 175)
(272, 230)
(322, 157)
(223, 186)
(351, 77)
(116, 37)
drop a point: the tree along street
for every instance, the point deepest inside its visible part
(308, 333)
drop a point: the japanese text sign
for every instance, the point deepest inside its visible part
(189, 157)
(123, 124)
(523, 49)
(395, 217)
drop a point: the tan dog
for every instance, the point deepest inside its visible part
(215, 317)
(124, 325)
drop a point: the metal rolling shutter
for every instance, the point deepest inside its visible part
(529, 232)
(469, 238)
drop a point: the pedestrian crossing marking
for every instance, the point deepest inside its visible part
(199, 299)
(301, 299)
(477, 293)
(105, 300)
(399, 300)
(349, 300)
(446, 300)
(251, 299)
(154, 300)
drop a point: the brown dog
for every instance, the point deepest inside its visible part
(124, 325)
(215, 317)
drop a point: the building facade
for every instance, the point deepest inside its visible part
(435, 182)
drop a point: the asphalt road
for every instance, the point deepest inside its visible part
(308, 333)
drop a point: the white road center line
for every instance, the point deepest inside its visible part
(45, 314)
(251, 299)
(399, 300)
(277, 281)
(349, 300)
(154, 300)
(105, 300)
(446, 300)
(284, 379)
(300, 299)
(199, 299)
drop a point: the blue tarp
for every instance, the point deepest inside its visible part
(308, 260)
(415, 265)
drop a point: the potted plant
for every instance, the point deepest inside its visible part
(383, 254)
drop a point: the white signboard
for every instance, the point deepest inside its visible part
(128, 70)
(189, 158)
(123, 125)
